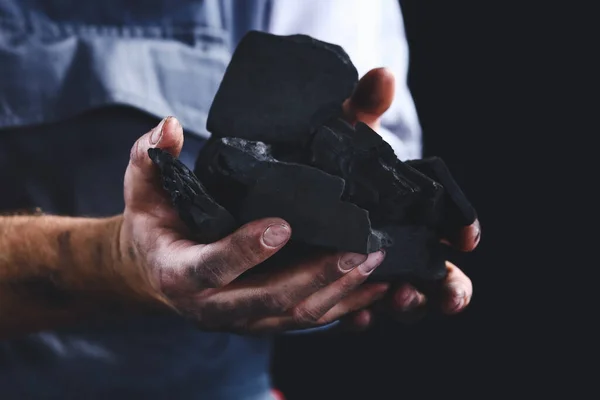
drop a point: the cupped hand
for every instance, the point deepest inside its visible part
(204, 282)
(372, 97)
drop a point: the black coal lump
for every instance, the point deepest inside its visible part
(415, 256)
(207, 220)
(458, 211)
(376, 180)
(279, 148)
(277, 89)
(307, 198)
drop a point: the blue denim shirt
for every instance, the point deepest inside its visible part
(79, 82)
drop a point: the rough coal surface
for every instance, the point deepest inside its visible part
(244, 175)
(279, 148)
(204, 217)
(376, 180)
(458, 210)
(276, 89)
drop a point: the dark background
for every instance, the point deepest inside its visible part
(483, 99)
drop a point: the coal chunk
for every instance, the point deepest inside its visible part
(416, 255)
(458, 210)
(244, 175)
(277, 89)
(207, 220)
(392, 191)
(279, 148)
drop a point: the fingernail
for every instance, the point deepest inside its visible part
(351, 260)
(407, 295)
(372, 262)
(276, 235)
(477, 234)
(157, 132)
(409, 298)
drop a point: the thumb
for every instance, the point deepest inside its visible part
(141, 177)
(372, 97)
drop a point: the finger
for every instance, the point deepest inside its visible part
(357, 321)
(371, 98)
(457, 291)
(467, 238)
(407, 305)
(361, 298)
(141, 183)
(217, 264)
(276, 294)
(357, 300)
(406, 299)
(314, 307)
(294, 285)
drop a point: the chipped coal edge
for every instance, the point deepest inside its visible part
(207, 220)
(226, 162)
(298, 121)
(343, 150)
(299, 127)
(460, 212)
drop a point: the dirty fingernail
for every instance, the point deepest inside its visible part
(157, 132)
(351, 260)
(372, 262)
(276, 235)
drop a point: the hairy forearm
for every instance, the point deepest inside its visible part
(55, 270)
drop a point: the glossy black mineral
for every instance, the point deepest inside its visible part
(279, 148)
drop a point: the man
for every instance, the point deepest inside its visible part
(117, 302)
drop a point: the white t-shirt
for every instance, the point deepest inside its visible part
(372, 33)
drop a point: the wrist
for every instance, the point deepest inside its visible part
(56, 269)
(136, 278)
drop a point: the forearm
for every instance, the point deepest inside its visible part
(55, 270)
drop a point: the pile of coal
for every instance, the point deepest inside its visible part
(280, 148)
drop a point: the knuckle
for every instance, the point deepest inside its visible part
(347, 285)
(273, 303)
(326, 319)
(327, 274)
(303, 316)
(209, 279)
(212, 313)
(320, 279)
(208, 273)
(246, 250)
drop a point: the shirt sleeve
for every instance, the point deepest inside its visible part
(373, 35)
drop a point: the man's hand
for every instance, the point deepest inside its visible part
(373, 96)
(202, 281)
(55, 270)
